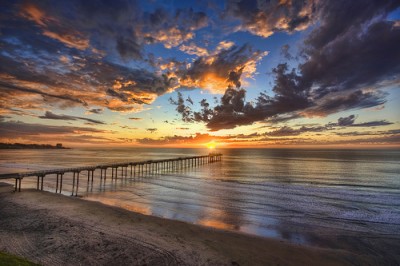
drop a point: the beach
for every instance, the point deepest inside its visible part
(52, 229)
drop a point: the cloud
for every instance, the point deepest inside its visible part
(214, 72)
(95, 58)
(12, 129)
(50, 115)
(109, 27)
(350, 122)
(285, 52)
(7, 86)
(96, 111)
(193, 49)
(344, 65)
(128, 47)
(198, 138)
(233, 111)
(284, 136)
(393, 139)
(263, 18)
(281, 118)
(128, 127)
(151, 130)
(369, 133)
(52, 28)
(288, 131)
(173, 29)
(83, 81)
(356, 54)
(346, 121)
(373, 124)
(135, 118)
(343, 122)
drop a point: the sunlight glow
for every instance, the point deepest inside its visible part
(211, 145)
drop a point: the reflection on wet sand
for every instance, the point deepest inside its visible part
(318, 197)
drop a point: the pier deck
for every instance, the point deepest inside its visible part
(136, 168)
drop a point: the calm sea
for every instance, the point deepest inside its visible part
(301, 195)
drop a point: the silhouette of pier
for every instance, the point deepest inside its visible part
(136, 169)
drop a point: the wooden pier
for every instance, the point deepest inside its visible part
(140, 168)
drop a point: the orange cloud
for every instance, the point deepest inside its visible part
(193, 49)
(33, 13)
(171, 37)
(69, 37)
(213, 72)
(273, 16)
(73, 40)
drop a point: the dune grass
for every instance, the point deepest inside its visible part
(12, 260)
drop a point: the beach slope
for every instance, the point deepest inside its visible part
(52, 229)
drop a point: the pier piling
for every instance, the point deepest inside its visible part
(149, 167)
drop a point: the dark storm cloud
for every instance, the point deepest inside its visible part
(7, 86)
(105, 25)
(342, 59)
(344, 65)
(336, 102)
(79, 79)
(172, 28)
(122, 96)
(233, 110)
(346, 121)
(50, 115)
(128, 48)
(63, 51)
(263, 18)
(361, 55)
(181, 108)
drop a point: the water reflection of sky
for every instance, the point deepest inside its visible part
(286, 194)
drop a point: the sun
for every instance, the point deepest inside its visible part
(211, 145)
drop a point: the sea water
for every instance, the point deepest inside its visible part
(301, 195)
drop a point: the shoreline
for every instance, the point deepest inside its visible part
(51, 229)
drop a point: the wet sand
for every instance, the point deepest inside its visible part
(52, 229)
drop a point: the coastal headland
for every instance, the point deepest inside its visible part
(52, 229)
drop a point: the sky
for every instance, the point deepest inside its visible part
(233, 73)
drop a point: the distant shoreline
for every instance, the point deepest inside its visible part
(17, 146)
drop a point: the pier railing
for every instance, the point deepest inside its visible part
(139, 168)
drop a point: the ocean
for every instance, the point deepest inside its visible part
(311, 196)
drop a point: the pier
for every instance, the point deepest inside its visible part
(118, 170)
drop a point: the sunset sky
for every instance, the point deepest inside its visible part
(186, 73)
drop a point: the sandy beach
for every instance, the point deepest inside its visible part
(52, 229)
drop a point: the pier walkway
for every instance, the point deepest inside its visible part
(136, 169)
